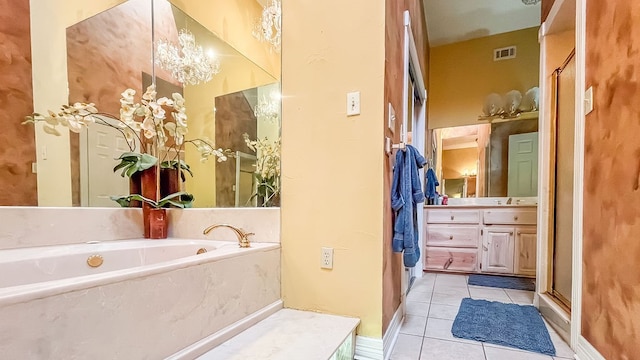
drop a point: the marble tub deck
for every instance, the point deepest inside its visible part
(287, 334)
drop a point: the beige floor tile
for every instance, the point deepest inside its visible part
(417, 308)
(490, 294)
(421, 296)
(447, 299)
(446, 312)
(521, 297)
(495, 353)
(452, 290)
(407, 348)
(413, 325)
(435, 349)
(441, 329)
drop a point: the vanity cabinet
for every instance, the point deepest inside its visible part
(452, 237)
(497, 250)
(500, 240)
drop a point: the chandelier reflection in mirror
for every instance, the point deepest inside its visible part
(189, 64)
(268, 27)
(268, 108)
(530, 2)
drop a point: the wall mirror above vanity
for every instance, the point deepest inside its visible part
(92, 52)
(497, 159)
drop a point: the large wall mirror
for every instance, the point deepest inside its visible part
(496, 159)
(102, 48)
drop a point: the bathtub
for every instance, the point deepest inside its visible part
(142, 299)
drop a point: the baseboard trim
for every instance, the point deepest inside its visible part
(390, 337)
(380, 349)
(369, 349)
(586, 351)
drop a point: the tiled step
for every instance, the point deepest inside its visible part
(289, 334)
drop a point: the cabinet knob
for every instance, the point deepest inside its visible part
(515, 218)
(485, 248)
(450, 237)
(511, 233)
(452, 217)
(519, 232)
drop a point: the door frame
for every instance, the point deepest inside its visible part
(564, 15)
(417, 115)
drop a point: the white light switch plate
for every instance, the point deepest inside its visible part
(588, 100)
(353, 103)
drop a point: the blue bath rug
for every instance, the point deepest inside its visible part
(505, 282)
(512, 325)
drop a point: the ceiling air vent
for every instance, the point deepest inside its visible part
(504, 53)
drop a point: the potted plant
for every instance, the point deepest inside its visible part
(155, 220)
(267, 172)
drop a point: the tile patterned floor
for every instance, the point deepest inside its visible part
(433, 304)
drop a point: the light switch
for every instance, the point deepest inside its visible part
(588, 100)
(353, 103)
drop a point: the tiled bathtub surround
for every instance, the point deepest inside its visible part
(42, 226)
(149, 316)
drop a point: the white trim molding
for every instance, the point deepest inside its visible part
(380, 349)
(584, 350)
(578, 173)
(369, 349)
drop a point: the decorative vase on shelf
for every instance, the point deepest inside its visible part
(169, 181)
(156, 224)
(151, 216)
(135, 187)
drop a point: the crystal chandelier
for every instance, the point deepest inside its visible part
(530, 2)
(188, 64)
(268, 109)
(268, 27)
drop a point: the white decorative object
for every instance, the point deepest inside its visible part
(530, 2)
(189, 64)
(268, 27)
(531, 100)
(493, 105)
(268, 108)
(512, 101)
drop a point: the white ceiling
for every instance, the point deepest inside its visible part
(450, 21)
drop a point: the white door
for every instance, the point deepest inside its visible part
(525, 256)
(497, 250)
(103, 146)
(523, 165)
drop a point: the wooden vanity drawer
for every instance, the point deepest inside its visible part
(446, 216)
(510, 216)
(452, 235)
(451, 259)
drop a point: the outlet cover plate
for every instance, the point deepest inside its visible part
(326, 261)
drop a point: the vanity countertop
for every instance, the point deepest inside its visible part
(478, 206)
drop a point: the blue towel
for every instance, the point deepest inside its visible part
(406, 194)
(430, 184)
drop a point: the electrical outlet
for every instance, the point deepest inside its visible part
(327, 258)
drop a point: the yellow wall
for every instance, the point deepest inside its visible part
(332, 165)
(463, 74)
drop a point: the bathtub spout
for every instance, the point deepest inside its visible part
(243, 237)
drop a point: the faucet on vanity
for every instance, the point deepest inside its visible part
(243, 237)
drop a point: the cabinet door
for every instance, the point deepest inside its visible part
(497, 249)
(526, 247)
